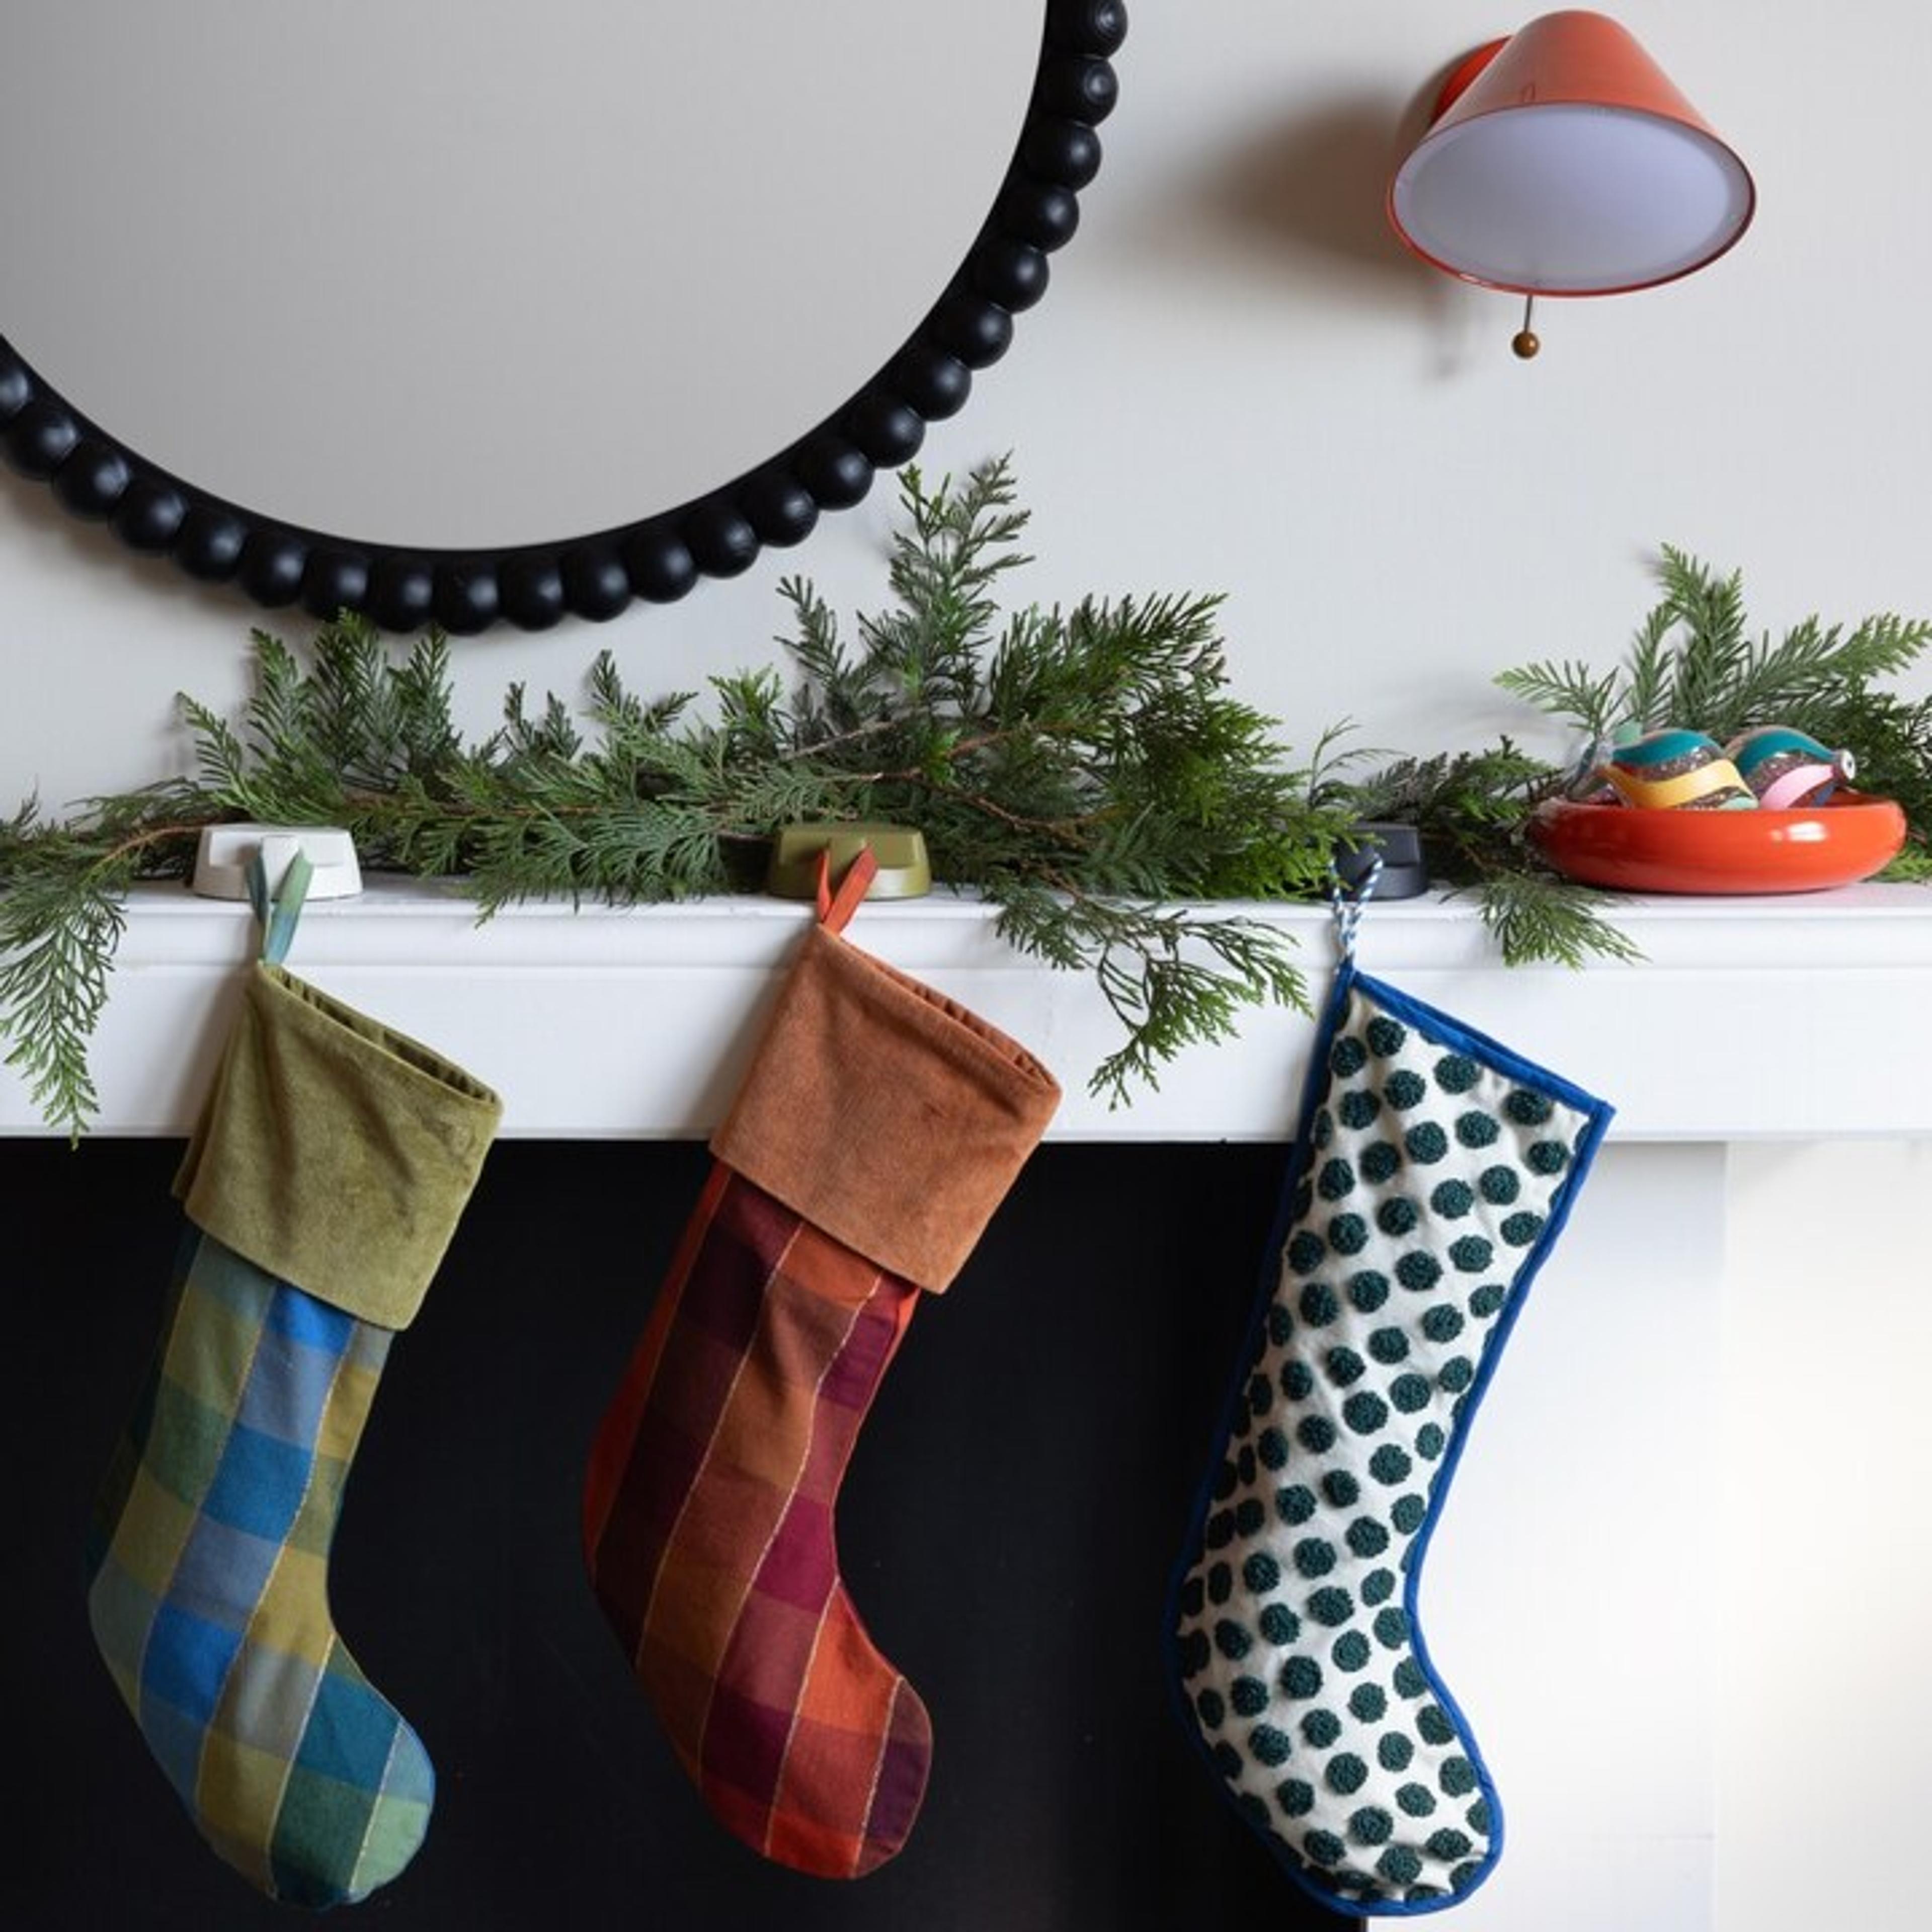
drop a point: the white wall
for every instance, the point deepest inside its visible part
(1240, 383)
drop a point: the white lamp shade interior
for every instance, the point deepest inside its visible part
(1571, 199)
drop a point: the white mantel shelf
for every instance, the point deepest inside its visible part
(1802, 1017)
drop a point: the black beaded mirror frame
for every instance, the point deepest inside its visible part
(661, 557)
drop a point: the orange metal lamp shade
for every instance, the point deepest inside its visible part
(1563, 162)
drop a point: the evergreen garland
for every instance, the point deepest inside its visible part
(1085, 771)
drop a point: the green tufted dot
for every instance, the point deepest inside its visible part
(1318, 1304)
(1279, 1625)
(1220, 1530)
(1305, 1252)
(1456, 1073)
(1400, 1865)
(1391, 1630)
(1366, 1537)
(1210, 1709)
(1347, 1057)
(1500, 1186)
(1294, 1504)
(1470, 1254)
(1358, 1109)
(1433, 1726)
(1323, 1131)
(1297, 1381)
(1331, 1606)
(1393, 1752)
(1370, 1826)
(1194, 1653)
(1477, 1817)
(1314, 1556)
(1280, 1325)
(1385, 1036)
(1410, 1393)
(1418, 1272)
(1458, 1775)
(1520, 1230)
(1261, 1573)
(1340, 1489)
(1344, 1366)
(1407, 1514)
(1448, 1843)
(1429, 1441)
(1425, 1143)
(1368, 1290)
(1463, 1876)
(1220, 1582)
(1389, 1346)
(1409, 1680)
(1248, 1696)
(1270, 1746)
(1365, 1413)
(1336, 1179)
(1227, 1761)
(1346, 1773)
(1547, 1157)
(1390, 1464)
(1452, 1199)
(1417, 1801)
(1250, 1516)
(1348, 1233)
(1316, 1434)
(1351, 1650)
(1295, 1796)
(1487, 1299)
(1323, 1848)
(1252, 1808)
(1272, 1448)
(1231, 1640)
(1380, 1161)
(1321, 1729)
(1300, 1677)
(1244, 1465)
(1404, 1090)
(1477, 1130)
(1193, 1598)
(1456, 1374)
(1369, 1702)
(1397, 1216)
(1528, 1109)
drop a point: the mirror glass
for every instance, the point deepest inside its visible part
(482, 273)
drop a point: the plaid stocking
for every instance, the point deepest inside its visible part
(879, 1128)
(321, 1188)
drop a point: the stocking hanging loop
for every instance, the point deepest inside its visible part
(278, 917)
(1347, 905)
(835, 909)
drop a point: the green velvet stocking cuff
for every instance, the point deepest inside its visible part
(335, 1153)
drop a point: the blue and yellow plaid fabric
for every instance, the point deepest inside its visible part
(208, 1596)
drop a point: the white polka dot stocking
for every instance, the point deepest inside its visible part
(1434, 1170)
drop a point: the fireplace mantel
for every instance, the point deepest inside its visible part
(1747, 1018)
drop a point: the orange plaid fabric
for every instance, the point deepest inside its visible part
(708, 1534)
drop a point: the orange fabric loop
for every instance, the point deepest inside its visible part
(835, 909)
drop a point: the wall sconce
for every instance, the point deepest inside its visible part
(1561, 161)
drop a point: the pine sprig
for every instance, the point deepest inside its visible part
(1693, 663)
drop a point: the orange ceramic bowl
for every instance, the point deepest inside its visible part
(1635, 850)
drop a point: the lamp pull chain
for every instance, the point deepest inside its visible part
(1525, 341)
